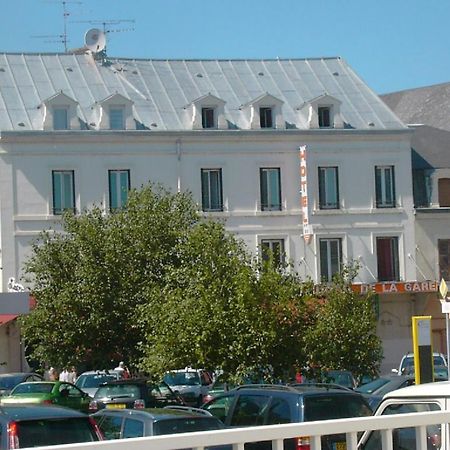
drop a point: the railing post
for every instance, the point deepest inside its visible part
(352, 440)
(386, 440)
(421, 438)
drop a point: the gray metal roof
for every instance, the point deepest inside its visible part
(161, 89)
(429, 105)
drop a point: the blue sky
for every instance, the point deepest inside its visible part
(392, 44)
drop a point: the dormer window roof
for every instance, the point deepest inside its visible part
(59, 112)
(207, 112)
(264, 111)
(115, 112)
(323, 111)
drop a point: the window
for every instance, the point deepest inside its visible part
(324, 114)
(116, 119)
(133, 428)
(249, 410)
(265, 117)
(328, 188)
(63, 191)
(60, 119)
(270, 189)
(387, 259)
(212, 190)
(444, 192)
(444, 258)
(330, 258)
(208, 118)
(119, 185)
(110, 426)
(273, 249)
(420, 188)
(405, 438)
(385, 186)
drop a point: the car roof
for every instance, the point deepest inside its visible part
(155, 413)
(297, 389)
(435, 389)
(25, 412)
(138, 381)
(17, 374)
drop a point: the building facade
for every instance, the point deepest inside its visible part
(77, 132)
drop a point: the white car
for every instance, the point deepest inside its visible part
(406, 366)
(90, 381)
(192, 384)
(418, 398)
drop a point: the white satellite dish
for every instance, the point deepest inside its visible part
(95, 40)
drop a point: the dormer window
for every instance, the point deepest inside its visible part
(206, 112)
(59, 112)
(114, 113)
(324, 113)
(116, 118)
(208, 118)
(60, 118)
(264, 111)
(265, 117)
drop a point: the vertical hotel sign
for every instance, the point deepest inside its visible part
(307, 228)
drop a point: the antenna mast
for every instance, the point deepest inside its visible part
(62, 37)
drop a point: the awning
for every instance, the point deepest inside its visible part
(5, 318)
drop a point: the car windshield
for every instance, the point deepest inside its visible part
(118, 390)
(180, 378)
(328, 407)
(186, 425)
(408, 363)
(9, 381)
(33, 388)
(371, 387)
(43, 432)
(94, 380)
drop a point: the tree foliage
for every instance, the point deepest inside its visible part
(160, 287)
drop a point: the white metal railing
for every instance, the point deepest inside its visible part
(276, 433)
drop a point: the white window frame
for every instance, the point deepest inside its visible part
(57, 112)
(328, 276)
(120, 194)
(265, 175)
(270, 243)
(66, 194)
(328, 187)
(385, 194)
(207, 190)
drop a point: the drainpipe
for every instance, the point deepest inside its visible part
(178, 143)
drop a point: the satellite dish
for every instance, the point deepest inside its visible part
(95, 40)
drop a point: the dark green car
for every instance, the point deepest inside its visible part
(58, 393)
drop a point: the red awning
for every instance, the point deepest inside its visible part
(5, 318)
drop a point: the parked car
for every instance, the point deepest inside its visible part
(58, 393)
(376, 389)
(24, 426)
(407, 363)
(340, 377)
(418, 398)
(91, 380)
(253, 405)
(8, 381)
(191, 384)
(218, 387)
(134, 393)
(130, 423)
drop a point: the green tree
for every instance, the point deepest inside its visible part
(344, 332)
(89, 277)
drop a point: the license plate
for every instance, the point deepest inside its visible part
(118, 406)
(340, 446)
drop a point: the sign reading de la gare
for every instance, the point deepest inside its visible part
(397, 287)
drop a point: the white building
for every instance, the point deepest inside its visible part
(76, 132)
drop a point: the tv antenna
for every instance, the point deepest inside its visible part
(61, 37)
(107, 24)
